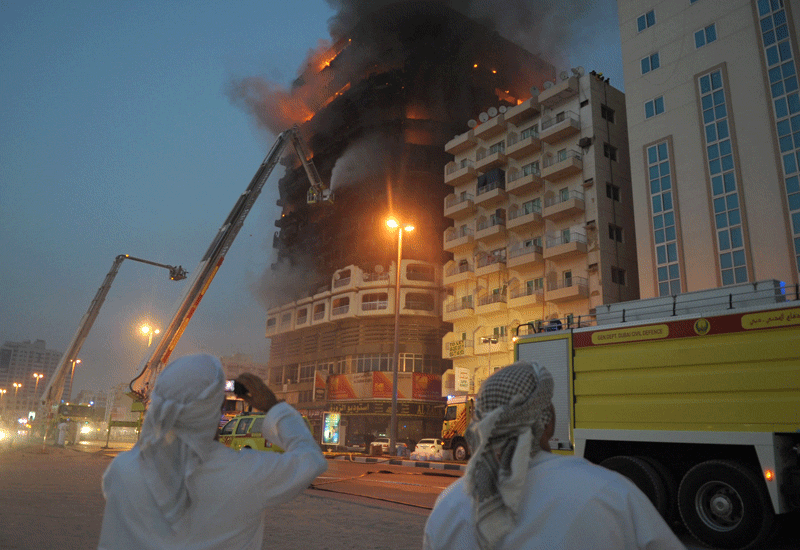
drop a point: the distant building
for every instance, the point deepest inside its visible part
(238, 363)
(542, 222)
(19, 361)
(714, 127)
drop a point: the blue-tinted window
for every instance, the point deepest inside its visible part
(705, 36)
(645, 21)
(650, 63)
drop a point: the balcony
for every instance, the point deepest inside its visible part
(455, 241)
(524, 219)
(490, 264)
(491, 303)
(556, 208)
(459, 206)
(485, 160)
(522, 112)
(566, 290)
(525, 296)
(457, 273)
(559, 92)
(561, 166)
(460, 309)
(565, 246)
(371, 280)
(491, 229)
(461, 143)
(490, 128)
(524, 256)
(458, 173)
(518, 148)
(520, 183)
(561, 126)
(491, 195)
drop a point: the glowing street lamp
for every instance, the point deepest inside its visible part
(71, 375)
(2, 395)
(394, 224)
(17, 386)
(148, 331)
(36, 388)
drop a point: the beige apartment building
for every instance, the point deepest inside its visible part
(714, 126)
(542, 216)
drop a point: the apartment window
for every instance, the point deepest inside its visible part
(534, 285)
(615, 232)
(617, 276)
(607, 113)
(650, 63)
(664, 227)
(561, 117)
(705, 36)
(530, 132)
(531, 206)
(499, 332)
(498, 147)
(565, 236)
(563, 194)
(646, 21)
(562, 155)
(654, 107)
(532, 168)
(610, 151)
(612, 192)
(567, 277)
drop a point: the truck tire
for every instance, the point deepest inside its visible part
(670, 487)
(644, 476)
(460, 451)
(725, 505)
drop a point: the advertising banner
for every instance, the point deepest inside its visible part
(462, 379)
(378, 385)
(330, 428)
(320, 385)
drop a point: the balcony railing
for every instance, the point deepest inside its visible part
(519, 212)
(419, 305)
(466, 232)
(550, 161)
(561, 117)
(370, 277)
(552, 201)
(568, 283)
(319, 315)
(341, 310)
(490, 260)
(452, 168)
(522, 250)
(491, 222)
(456, 269)
(461, 305)
(344, 281)
(453, 201)
(526, 291)
(571, 237)
(492, 299)
(513, 139)
(374, 306)
(490, 187)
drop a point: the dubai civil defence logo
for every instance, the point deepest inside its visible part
(702, 326)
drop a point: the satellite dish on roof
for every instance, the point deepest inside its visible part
(502, 109)
(492, 111)
(472, 123)
(564, 75)
(548, 85)
(483, 117)
(534, 91)
(578, 71)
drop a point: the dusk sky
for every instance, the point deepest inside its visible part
(118, 138)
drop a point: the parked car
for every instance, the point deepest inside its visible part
(429, 446)
(357, 444)
(382, 442)
(244, 432)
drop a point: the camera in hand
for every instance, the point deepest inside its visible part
(239, 390)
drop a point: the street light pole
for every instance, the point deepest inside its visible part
(394, 224)
(2, 398)
(17, 386)
(36, 387)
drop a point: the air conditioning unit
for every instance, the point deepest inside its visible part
(585, 142)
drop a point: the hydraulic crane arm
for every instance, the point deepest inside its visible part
(55, 386)
(152, 365)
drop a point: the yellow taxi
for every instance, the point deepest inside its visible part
(244, 432)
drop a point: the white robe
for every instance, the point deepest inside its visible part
(229, 493)
(568, 503)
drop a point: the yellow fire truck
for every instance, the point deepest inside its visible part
(694, 397)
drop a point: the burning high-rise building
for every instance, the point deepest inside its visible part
(376, 110)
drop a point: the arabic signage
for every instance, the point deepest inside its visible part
(378, 385)
(385, 408)
(637, 334)
(457, 348)
(462, 379)
(767, 319)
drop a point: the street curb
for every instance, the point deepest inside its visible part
(398, 462)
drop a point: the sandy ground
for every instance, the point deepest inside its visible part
(53, 500)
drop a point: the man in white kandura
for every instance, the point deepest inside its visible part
(180, 488)
(516, 494)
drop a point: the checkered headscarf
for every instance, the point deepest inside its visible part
(512, 410)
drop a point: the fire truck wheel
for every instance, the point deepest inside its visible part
(725, 505)
(460, 452)
(670, 486)
(644, 476)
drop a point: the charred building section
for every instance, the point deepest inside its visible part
(386, 100)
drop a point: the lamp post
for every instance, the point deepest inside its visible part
(17, 386)
(149, 331)
(489, 340)
(36, 387)
(394, 224)
(2, 398)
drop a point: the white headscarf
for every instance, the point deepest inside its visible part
(512, 410)
(179, 428)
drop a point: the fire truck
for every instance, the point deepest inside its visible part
(694, 397)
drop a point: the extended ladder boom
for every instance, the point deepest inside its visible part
(152, 365)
